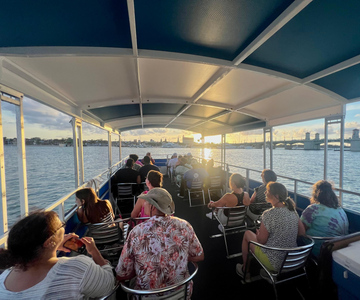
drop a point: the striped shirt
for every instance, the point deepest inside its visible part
(70, 278)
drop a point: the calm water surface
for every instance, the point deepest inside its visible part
(51, 170)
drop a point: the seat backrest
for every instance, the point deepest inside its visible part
(215, 182)
(105, 233)
(296, 258)
(174, 292)
(125, 189)
(197, 184)
(236, 216)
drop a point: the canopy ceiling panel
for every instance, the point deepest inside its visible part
(292, 102)
(235, 118)
(213, 28)
(84, 79)
(116, 112)
(324, 33)
(242, 85)
(174, 79)
(203, 111)
(161, 108)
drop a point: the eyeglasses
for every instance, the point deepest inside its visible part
(63, 224)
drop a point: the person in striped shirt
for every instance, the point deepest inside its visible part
(34, 270)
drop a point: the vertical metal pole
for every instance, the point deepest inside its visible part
(222, 152)
(264, 148)
(76, 153)
(24, 205)
(341, 170)
(110, 150)
(3, 206)
(225, 149)
(271, 148)
(325, 148)
(81, 152)
(120, 154)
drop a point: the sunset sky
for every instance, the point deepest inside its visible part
(47, 123)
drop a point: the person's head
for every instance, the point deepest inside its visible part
(154, 179)
(210, 163)
(236, 181)
(174, 155)
(148, 154)
(195, 164)
(147, 160)
(130, 163)
(29, 239)
(158, 201)
(134, 157)
(277, 192)
(86, 197)
(268, 175)
(323, 193)
(183, 161)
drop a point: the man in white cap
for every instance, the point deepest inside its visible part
(172, 163)
(157, 251)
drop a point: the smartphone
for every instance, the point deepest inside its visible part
(74, 244)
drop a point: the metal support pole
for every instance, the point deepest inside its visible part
(264, 148)
(78, 152)
(109, 148)
(271, 148)
(341, 169)
(120, 154)
(222, 152)
(225, 150)
(3, 206)
(24, 203)
(325, 148)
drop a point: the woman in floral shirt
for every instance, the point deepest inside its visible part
(157, 251)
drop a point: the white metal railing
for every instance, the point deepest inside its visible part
(97, 182)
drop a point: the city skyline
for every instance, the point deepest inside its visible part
(47, 123)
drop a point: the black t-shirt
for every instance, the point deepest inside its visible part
(126, 175)
(144, 170)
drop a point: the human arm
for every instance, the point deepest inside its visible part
(196, 258)
(301, 228)
(308, 215)
(223, 201)
(196, 251)
(246, 199)
(138, 179)
(137, 208)
(253, 197)
(93, 251)
(262, 234)
(66, 238)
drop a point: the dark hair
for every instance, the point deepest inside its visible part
(155, 178)
(94, 208)
(323, 193)
(147, 160)
(279, 190)
(210, 163)
(26, 239)
(183, 161)
(238, 180)
(130, 163)
(134, 157)
(268, 175)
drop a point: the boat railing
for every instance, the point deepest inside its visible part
(96, 183)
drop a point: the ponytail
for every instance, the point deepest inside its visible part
(289, 203)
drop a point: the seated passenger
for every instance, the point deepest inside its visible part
(91, 209)
(280, 226)
(153, 179)
(211, 169)
(258, 203)
(151, 159)
(171, 164)
(324, 217)
(197, 173)
(126, 175)
(137, 163)
(144, 170)
(181, 169)
(157, 251)
(36, 273)
(236, 198)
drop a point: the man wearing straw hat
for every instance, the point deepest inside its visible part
(157, 251)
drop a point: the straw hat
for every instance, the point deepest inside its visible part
(161, 199)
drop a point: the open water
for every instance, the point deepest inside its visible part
(51, 170)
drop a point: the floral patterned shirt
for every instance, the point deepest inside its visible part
(158, 250)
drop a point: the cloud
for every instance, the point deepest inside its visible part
(357, 115)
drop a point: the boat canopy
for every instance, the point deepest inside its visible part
(207, 66)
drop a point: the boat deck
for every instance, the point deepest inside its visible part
(217, 278)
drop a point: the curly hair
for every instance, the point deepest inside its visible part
(26, 239)
(323, 193)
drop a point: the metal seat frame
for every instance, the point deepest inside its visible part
(295, 259)
(214, 185)
(236, 223)
(125, 192)
(196, 187)
(174, 292)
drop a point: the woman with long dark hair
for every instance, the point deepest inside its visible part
(280, 226)
(324, 217)
(91, 208)
(35, 272)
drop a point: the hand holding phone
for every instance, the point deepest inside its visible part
(74, 244)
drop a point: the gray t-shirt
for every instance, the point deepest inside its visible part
(282, 225)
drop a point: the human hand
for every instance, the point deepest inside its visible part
(90, 245)
(209, 205)
(66, 238)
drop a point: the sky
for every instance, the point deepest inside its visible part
(47, 123)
